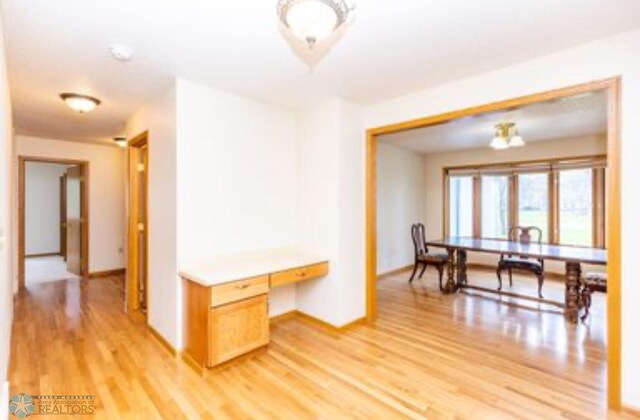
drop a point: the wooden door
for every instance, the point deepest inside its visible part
(73, 229)
(138, 282)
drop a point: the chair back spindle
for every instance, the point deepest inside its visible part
(419, 239)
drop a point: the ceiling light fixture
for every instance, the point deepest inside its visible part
(121, 52)
(506, 136)
(312, 27)
(80, 103)
(121, 141)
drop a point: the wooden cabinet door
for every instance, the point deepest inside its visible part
(237, 328)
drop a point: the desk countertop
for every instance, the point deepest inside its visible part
(227, 268)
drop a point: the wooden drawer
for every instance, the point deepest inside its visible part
(237, 328)
(299, 274)
(238, 290)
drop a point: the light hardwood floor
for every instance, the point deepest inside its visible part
(428, 355)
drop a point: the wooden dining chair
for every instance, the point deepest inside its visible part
(422, 256)
(523, 235)
(591, 282)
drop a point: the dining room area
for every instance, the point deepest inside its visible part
(492, 242)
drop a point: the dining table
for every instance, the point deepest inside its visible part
(572, 256)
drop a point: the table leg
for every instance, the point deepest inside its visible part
(450, 286)
(572, 291)
(461, 268)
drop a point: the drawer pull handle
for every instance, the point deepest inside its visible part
(242, 286)
(301, 273)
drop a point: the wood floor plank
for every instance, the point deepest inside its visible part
(470, 355)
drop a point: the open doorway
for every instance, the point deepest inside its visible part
(53, 233)
(569, 199)
(138, 232)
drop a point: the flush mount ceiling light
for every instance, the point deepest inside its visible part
(121, 52)
(80, 103)
(312, 27)
(506, 136)
(121, 141)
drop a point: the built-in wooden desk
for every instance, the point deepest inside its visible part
(225, 309)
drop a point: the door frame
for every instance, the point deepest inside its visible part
(610, 85)
(84, 210)
(133, 286)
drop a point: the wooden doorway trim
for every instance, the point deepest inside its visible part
(612, 87)
(134, 206)
(84, 210)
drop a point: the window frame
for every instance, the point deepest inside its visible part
(512, 169)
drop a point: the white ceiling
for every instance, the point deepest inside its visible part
(393, 48)
(581, 115)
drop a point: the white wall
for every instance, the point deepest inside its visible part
(106, 193)
(237, 171)
(401, 197)
(6, 216)
(42, 207)
(159, 119)
(597, 60)
(436, 162)
(331, 176)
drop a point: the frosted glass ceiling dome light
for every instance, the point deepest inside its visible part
(311, 20)
(80, 103)
(312, 26)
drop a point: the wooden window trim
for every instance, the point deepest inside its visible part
(513, 169)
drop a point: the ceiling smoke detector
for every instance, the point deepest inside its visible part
(121, 52)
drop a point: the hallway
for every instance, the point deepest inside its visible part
(40, 270)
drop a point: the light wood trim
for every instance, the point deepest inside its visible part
(299, 274)
(63, 216)
(477, 207)
(446, 225)
(134, 206)
(612, 85)
(283, 316)
(44, 254)
(84, 210)
(634, 412)
(371, 238)
(514, 200)
(599, 208)
(513, 103)
(614, 245)
(553, 214)
(225, 293)
(394, 272)
(107, 273)
(318, 322)
(516, 164)
(162, 341)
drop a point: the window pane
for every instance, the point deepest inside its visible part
(461, 206)
(495, 206)
(533, 202)
(576, 207)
